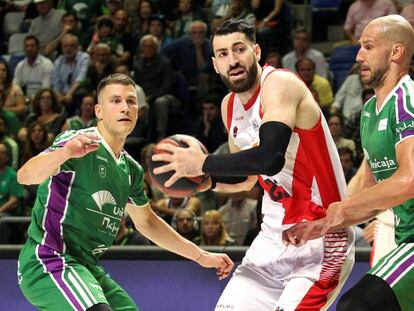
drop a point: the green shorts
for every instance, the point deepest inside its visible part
(52, 281)
(397, 269)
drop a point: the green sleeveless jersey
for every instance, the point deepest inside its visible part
(78, 210)
(381, 132)
(76, 123)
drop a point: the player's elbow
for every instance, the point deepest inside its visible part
(273, 165)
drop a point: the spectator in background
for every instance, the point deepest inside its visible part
(48, 25)
(10, 143)
(158, 27)
(105, 34)
(123, 34)
(34, 72)
(100, 66)
(348, 99)
(86, 117)
(128, 235)
(70, 25)
(11, 118)
(86, 11)
(239, 215)
(142, 17)
(305, 67)
(211, 131)
(14, 101)
(154, 73)
(191, 55)
(347, 161)
(213, 231)
(408, 13)
(183, 17)
(361, 12)
(46, 110)
(239, 9)
(168, 206)
(36, 142)
(273, 59)
(301, 49)
(185, 223)
(70, 70)
(336, 123)
(11, 192)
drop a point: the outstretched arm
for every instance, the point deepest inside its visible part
(40, 167)
(158, 231)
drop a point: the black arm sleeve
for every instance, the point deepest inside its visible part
(266, 159)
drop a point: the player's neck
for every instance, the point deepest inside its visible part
(385, 88)
(114, 142)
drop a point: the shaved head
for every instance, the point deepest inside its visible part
(394, 29)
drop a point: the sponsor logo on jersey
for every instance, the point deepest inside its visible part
(239, 118)
(103, 197)
(382, 124)
(99, 250)
(383, 164)
(98, 157)
(235, 130)
(402, 127)
(255, 124)
(102, 171)
(366, 114)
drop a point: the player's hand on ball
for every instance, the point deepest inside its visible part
(221, 262)
(186, 162)
(81, 145)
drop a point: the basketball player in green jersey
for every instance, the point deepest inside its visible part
(387, 133)
(87, 181)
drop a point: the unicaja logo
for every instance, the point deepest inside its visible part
(385, 163)
(103, 197)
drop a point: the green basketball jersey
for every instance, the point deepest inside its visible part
(381, 132)
(78, 210)
(76, 123)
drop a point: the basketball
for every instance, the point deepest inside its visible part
(183, 187)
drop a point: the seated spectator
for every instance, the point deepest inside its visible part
(70, 25)
(336, 123)
(218, 7)
(10, 143)
(213, 231)
(105, 33)
(168, 206)
(124, 36)
(347, 161)
(273, 59)
(301, 49)
(184, 16)
(86, 117)
(361, 12)
(191, 56)
(154, 73)
(14, 95)
(273, 24)
(100, 66)
(239, 9)
(37, 141)
(11, 193)
(348, 99)
(86, 11)
(305, 67)
(48, 25)
(128, 235)
(158, 28)
(12, 121)
(70, 70)
(210, 130)
(46, 110)
(185, 223)
(34, 72)
(141, 18)
(239, 215)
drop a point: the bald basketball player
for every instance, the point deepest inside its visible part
(387, 133)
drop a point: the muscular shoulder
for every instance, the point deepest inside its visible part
(283, 83)
(224, 105)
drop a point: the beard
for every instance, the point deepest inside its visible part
(377, 77)
(242, 85)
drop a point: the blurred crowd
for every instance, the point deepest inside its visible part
(54, 53)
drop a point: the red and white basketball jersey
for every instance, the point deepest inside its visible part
(312, 176)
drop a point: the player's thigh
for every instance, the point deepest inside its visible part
(52, 282)
(249, 290)
(117, 297)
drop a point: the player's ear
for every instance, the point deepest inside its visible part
(397, 50)
(257, 51)
(214, 64)
(98, 111)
